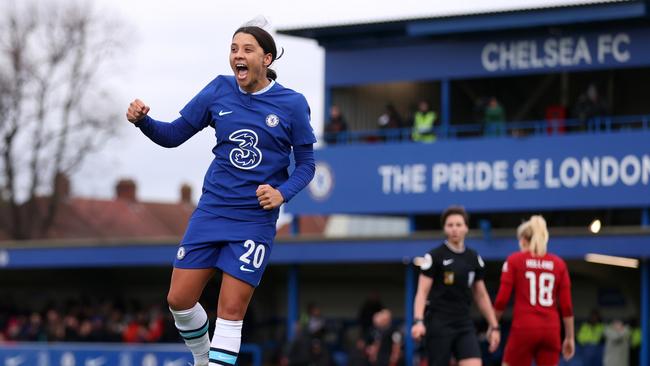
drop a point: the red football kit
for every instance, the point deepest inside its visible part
(542, 294)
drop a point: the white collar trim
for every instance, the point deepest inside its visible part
(262, 91)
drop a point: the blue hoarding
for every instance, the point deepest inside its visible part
(67, 354)
(97, 354)
(502, 174)
(490, 56)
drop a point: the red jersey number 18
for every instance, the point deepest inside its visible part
(545, 285)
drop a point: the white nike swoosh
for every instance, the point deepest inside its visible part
(99, 361)
(223, 113)
(447, 262)
(14, 361)
(246, 269)
(177, 362)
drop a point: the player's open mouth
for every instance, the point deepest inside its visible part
(241, 71)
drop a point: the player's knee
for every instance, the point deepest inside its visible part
(177, 302)
(231, 310)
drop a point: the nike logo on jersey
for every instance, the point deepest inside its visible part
(245, 269)
(223, 113)
(446, 262)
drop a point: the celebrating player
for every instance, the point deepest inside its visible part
(257, 122)
(541, 284)
(451, 275)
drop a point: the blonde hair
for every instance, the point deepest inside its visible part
(535, 232)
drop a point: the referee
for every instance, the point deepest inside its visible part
(451, 276)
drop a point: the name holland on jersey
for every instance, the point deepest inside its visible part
(539, 264)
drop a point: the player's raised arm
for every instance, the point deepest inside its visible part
(162, 133)
(137, 110)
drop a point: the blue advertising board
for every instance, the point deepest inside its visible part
(98, 354)
(492, 56)
(69, 354)
(485, 175)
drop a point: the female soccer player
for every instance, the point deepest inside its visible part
(451, 276)
(257, 122)
(541, 284)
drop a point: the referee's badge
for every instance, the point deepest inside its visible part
(449, 278)
(181, 253)
(272, 120)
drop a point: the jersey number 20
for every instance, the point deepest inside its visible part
(541, 289)
(257, 251)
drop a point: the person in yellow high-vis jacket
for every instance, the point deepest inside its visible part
(423, 122)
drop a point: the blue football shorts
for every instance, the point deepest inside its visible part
(239, 248)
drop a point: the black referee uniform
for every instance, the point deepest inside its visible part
(450, 329)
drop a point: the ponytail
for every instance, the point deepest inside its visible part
(535, 232)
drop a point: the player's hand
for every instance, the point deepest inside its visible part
(568, 348)
(269, 197)
(418, 330)
(137, 110)
(494, 338)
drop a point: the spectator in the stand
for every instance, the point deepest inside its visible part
(35, 330)
(589, 106)
(305, 350)
(390, 123)
(617, 344)
(319, 355)
(423, 122)
(590, 337)
(357, 355)
(313, 321)
(335, 126)
(297, 352)
(370, 306)
(494, 118)
(136, 331)
(385, 346)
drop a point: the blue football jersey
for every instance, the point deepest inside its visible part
(255, 133)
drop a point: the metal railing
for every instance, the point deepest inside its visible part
(509, 129)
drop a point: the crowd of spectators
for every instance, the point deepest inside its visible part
(377, 338)
(105, 321)
(491, 120)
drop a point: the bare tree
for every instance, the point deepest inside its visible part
(54, 111)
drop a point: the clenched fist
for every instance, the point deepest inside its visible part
(269, 197)
(137, 110)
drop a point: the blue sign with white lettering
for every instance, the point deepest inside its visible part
(533, 173)
(99, 354)
(480, 57)
(67, 354)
